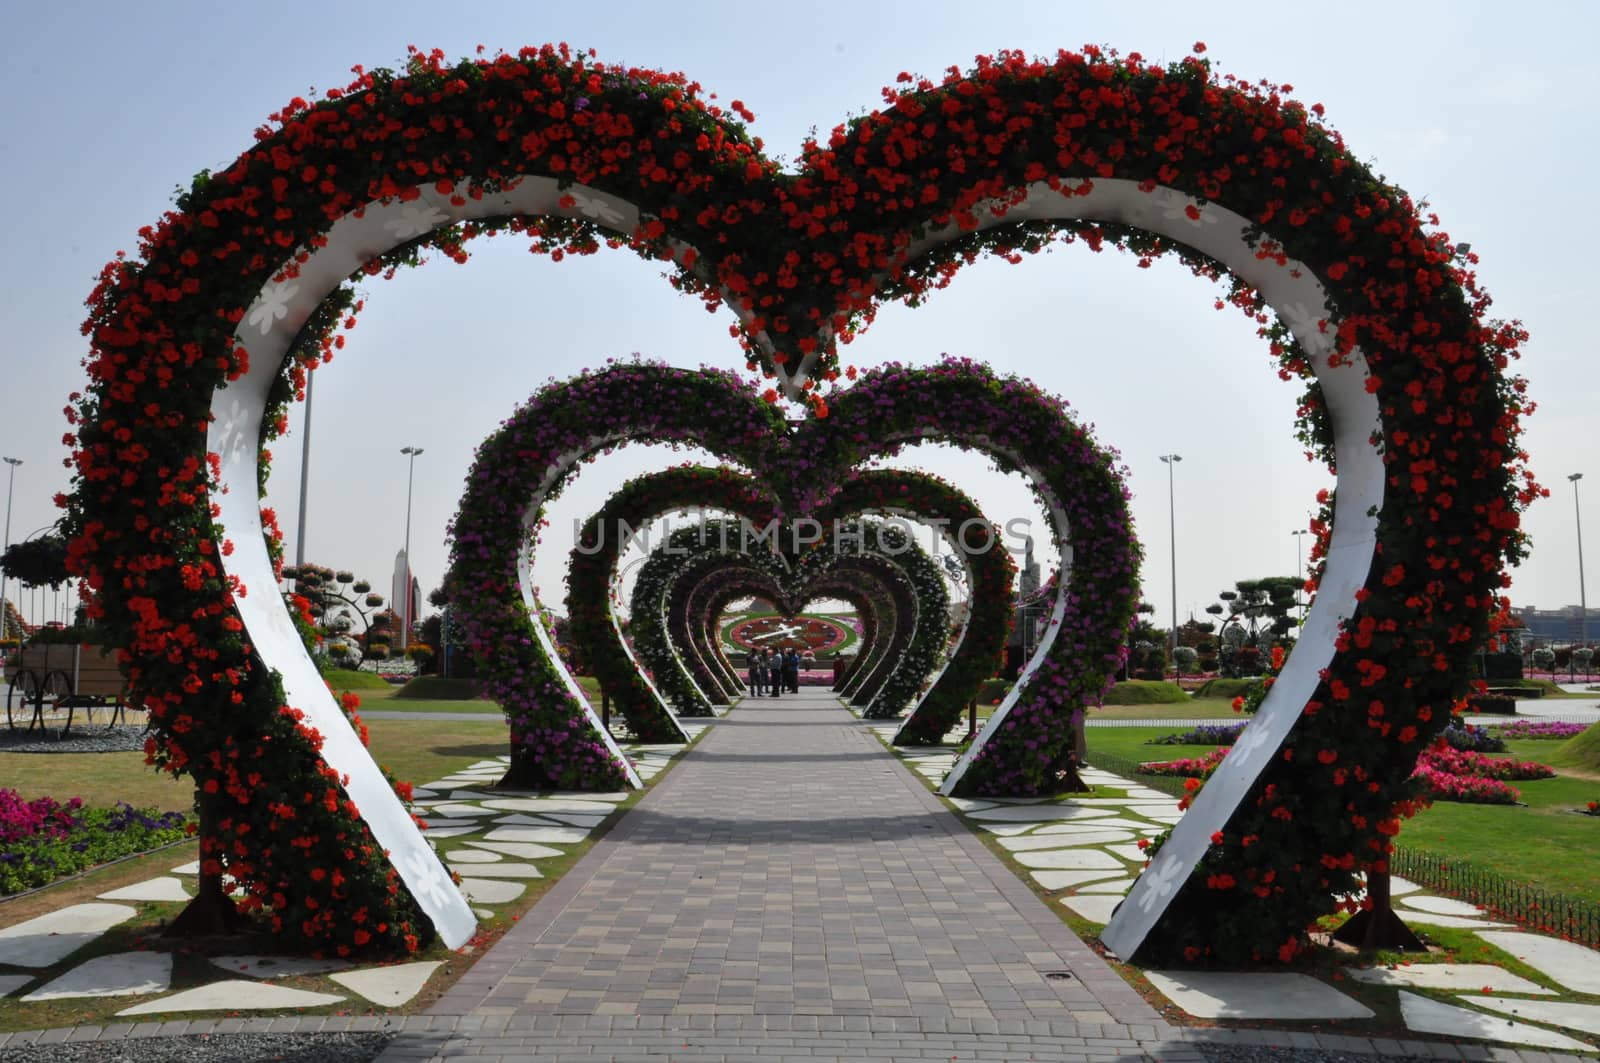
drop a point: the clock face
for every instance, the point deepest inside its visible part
(803, 632)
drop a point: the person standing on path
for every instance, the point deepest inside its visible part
(791, 669)
(758, 673)
(775, 672)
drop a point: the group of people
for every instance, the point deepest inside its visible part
(774, 671)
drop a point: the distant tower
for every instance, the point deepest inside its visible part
(403, 596)
(1030, 569)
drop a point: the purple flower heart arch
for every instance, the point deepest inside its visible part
(912, 495)
(243, 286)
(524, 463)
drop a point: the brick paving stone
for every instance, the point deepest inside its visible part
(790, 876)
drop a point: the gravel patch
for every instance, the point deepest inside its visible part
(218, 1048)
(91, 738)
(1271, 1054)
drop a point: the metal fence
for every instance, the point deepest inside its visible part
(1539, 909)
(1501, 895)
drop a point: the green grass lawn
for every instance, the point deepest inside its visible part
(1540, 841)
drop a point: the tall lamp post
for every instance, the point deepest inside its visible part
(305, 477)
(1583, 600)
(1171, 462)
(405, 592)
(5, 612)
(1299, 552)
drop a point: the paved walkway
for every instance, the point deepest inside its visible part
(790, 887)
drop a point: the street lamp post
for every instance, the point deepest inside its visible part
(1171, 461)
(5, 613)
(1583, 600)
(305, 476)
(405, 581)
(1299, 553)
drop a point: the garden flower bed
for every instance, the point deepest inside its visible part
(45, 840)
(1552, 730)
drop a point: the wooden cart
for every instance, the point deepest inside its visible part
(48, 683)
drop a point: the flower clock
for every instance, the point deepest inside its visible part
(806, 632)
(199, 340)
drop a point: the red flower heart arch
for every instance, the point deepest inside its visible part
(241, 285)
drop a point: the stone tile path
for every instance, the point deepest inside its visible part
(790, 867)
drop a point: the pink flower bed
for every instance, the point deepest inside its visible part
(1186, 767)
(45, 817)
(1472, 789)
(1463, 762)
(1548, 729)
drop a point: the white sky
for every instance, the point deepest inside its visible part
(1484, 110)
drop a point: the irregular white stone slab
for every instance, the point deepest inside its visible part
(1033, 813)
(122, 974)
(522, 819)
(1115, 885)
(261, 966)
(450, 823)
(1430, 1016)
(1250, 995)
(1449, 976)
(1013, 800)
(1442, 906)
(192, 868)
(471, 856)
(491, 891)
(550, 804)
(1399, 886)
(1095, 907)
(1005, 830)
(468, 795)
(509, 869)
(967, 804)
(1143, 793)
(1151, 809)
(1074, 859)
(576, 819)
(1585, 1017)
(1128, 852)
(389, 986)
(1168, 818)
(1110, 803)
(1082, 824)
(488, 765)
(523, 849)
(1063, 879)
(52, 937)
(1432, 919)
(155, 889)
(459, 808)
(440, 833)
(483, 913)
(10, 983)
(233, 995)
(1572, 966)
(419, 793)
(548, 835)
(1028, 842)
